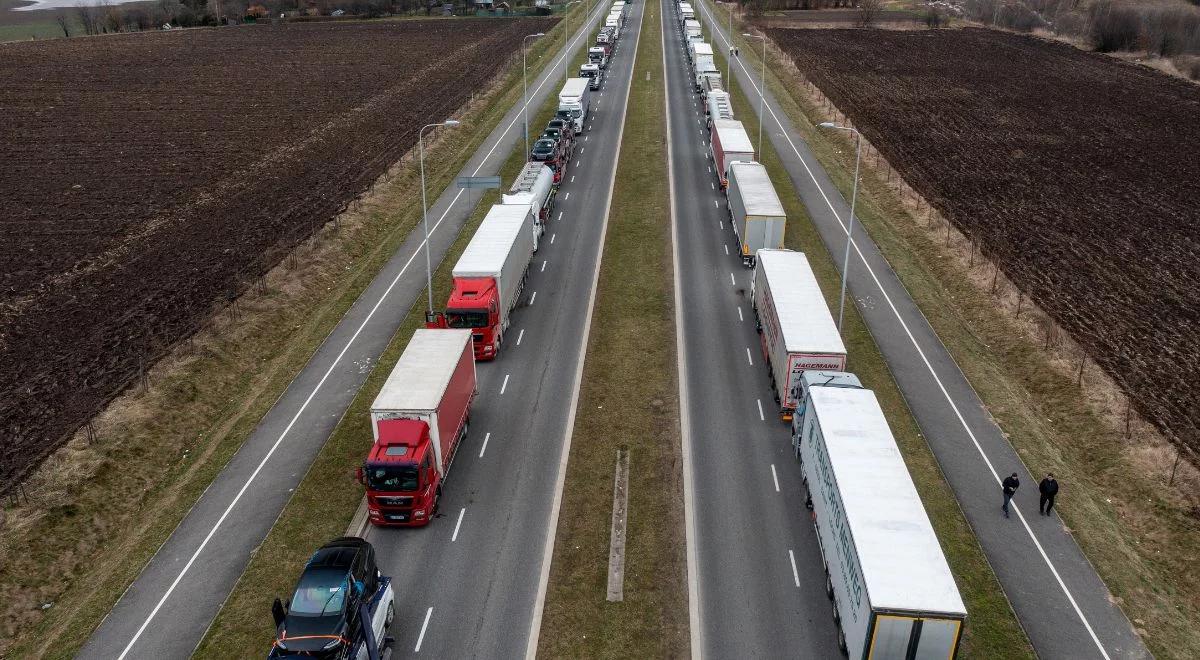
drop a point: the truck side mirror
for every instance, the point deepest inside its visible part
(358, 475)
(435, 320)
(278, 612)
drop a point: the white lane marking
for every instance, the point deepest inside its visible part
(710, 169)
(581, 149)
(715, 202)
(567, 196)
(486, 437)
(760, 412)
(795, 573)
(576, 162)
(585, 138)
(560, 215)
(552, 238)
(929, 367)
(463, 511)
(572, 178)
(543, 267)
(731, 280)
(726, 246)
(535, 624)
(739, 309)
(520, 336)
(504, 385)
(714, 186)
(748, 358)
(722, 223)
(533, 297)
(775, 477)
(421, 637)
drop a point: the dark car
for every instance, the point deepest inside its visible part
(562, 125)
(555, 134)
(322, 618)
(544, 149)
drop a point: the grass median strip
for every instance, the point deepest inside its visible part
(75, 545)
(991, 624)
(628, 401)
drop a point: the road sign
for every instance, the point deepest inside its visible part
(478, 182)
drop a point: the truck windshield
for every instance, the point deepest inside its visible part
(320, 592)
(466, 319)
(393, 478)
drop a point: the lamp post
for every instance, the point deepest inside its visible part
(731, 31)
(762, 86)
(525, 80)
(567, 36)
(425, 212)
(853, 200)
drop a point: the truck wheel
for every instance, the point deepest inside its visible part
(842, 640)
(837, 617)
(828, 586)
(391, 614)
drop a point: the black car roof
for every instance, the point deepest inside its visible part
(338, 553)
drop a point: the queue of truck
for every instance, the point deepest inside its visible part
(893, 595)
(342, 605)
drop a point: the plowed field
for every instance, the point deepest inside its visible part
(1080, 174)
(144, 178)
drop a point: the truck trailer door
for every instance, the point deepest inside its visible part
(908, 638)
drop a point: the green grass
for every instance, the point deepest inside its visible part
(628, 400)
(78, 544)
(991, 623)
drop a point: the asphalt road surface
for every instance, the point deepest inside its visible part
(761, 586)
(168, 608)
(468, 583)
(1059, 599)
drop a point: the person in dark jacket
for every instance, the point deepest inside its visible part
(1048, 489)
(1011, 485)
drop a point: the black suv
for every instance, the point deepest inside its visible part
(322, 618)
(544, 149)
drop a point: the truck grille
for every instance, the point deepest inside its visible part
(394, 501)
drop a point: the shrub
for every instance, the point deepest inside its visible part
(1114, 27)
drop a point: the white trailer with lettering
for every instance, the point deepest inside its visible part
(893, 595)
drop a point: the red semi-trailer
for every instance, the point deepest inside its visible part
(489, 277)
(729, 143)
(419, 420)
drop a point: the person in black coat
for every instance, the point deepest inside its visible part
(1011, 485)
(1048, 489)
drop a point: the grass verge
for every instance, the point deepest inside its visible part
(1135, 516)
(327, 498)
(628, 401)
(991, 624)
(69, 550)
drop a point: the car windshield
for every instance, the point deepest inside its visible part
(320, 592)
(467, 319)
(552, 133)
(543, 147)
(393, 478)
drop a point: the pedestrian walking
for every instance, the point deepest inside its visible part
(1048, 488)
(1011, 485)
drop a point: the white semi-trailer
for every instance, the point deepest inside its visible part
(894, 597)
(574, 101)
(754, 208)
(534, 188)
(796, 329)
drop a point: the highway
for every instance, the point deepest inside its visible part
(761, 587)
(166, 611)
(469, 583)
(1061, 602)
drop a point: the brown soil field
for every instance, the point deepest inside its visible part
(1077, 173)
(147, 179)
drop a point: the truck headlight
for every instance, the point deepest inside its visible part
(419, 513)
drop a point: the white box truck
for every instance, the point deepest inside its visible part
(702, 68)
(692, 31)
(795, 327)
(574, 101)
(718, 106)
(699, 48)
(730, 143)
(534, 188)
(894, 597)
(489, 278)
(754, 210)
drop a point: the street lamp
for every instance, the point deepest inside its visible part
(762, 87)
(731, 33)
(853, 200)
(425, 211)
(525, 80)
(567, 36)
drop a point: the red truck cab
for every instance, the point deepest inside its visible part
(474, 305)
(401, 475)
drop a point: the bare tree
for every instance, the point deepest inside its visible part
(64, 22)
(89, 17)
(868, 11)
